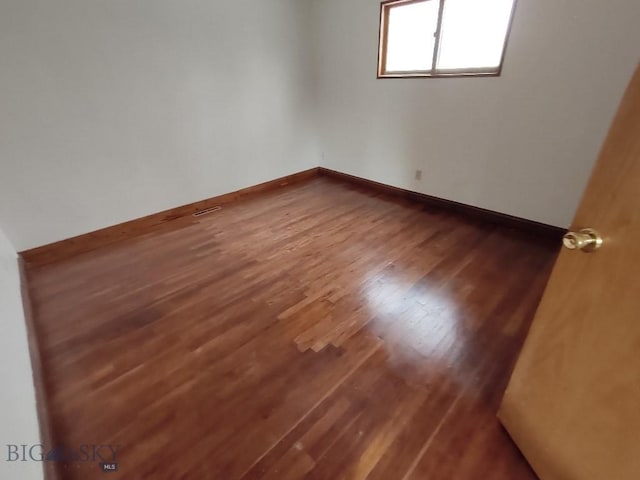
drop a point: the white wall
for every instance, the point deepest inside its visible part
(522, 144)
(115, 109)
(18, 420)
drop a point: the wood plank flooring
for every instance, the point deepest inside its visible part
(318, 331)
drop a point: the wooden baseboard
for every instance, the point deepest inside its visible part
(45, 423)
(176, 217)
(503, 219)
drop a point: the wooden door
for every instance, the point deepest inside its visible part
(573, 402)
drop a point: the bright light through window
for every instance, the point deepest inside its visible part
(410, 36)
(473, 33)
(443, 37)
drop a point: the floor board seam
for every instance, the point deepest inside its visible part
(315, 406)
(429, 441)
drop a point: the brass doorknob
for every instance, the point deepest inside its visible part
(586, 240)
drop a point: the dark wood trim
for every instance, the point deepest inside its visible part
(438, 75)
(510, 221)
(90, 241)
(382, 42)
(178, 216)
(45, 421)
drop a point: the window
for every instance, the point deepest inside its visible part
(443, 38)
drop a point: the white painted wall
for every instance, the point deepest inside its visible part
(18, 420)
(114, 109)
(522, 144)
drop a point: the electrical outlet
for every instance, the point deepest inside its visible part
(418, 175)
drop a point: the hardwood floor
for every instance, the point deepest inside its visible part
(318, 331)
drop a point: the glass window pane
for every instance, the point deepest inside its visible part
(410, 36)
(473, 33)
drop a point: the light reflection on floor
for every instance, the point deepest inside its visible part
(422, 326)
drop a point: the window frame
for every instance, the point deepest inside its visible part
(385, 8)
